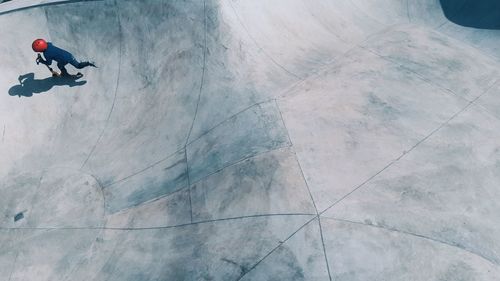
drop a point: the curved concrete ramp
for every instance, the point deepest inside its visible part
(249, 140)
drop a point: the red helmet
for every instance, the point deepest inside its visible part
(39, 45)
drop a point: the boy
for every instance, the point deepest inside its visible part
(62, 57)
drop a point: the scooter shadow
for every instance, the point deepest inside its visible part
(28, 85)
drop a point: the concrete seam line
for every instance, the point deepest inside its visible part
(308, 190)
(276, 248)
(408, 10)
(414, 235)
(487, 111)
(188, 186)
(202, 71)
(297, 83)
(494, 58)
(120, 50)
(228, 118)
(145, 168)
(297, 159)
(189, 180)
(333, 62)
(391, 163)
(185, 148)
(362, 11)
(161, 227)
(422, 78)
(240, 20)
(191, 183)
(324, 248)
(419, 76)
(149, 201)
(240, 161)
(412, 148)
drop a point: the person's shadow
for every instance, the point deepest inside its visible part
(28, 85)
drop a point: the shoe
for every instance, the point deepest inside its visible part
(91, 63)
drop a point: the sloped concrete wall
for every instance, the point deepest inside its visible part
(249, 140)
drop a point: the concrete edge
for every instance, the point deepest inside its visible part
(19, 5)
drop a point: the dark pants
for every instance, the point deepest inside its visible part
(73, 62)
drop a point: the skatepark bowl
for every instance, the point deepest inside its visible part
(344, 140)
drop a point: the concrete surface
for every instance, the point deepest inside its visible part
(252, 140)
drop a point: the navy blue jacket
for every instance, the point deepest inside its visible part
(59, 55)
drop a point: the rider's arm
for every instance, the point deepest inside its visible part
(44, 61)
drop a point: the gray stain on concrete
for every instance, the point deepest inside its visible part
(19, 216)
